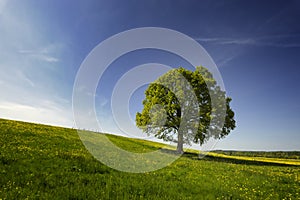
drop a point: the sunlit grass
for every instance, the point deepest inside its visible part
(44, 162)
(259, 159)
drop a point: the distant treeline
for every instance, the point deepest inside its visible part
(267, 154)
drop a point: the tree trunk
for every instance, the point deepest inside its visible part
(180, 143)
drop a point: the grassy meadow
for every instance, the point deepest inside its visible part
(46, 162)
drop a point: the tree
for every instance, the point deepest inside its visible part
(185, 106)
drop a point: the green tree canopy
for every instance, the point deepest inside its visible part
(186, 106)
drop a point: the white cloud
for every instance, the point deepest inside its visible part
(103, 101)
(45, 58)
(201, 39)
(226, 60)
(237, 45)
(43, 55)
(271, 41)
(22, 77)
(239, 41)
(48, 113)
(28, 91)
(228, 41)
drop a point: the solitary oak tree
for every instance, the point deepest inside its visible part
(185, 106)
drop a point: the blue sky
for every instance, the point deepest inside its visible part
(255, 45)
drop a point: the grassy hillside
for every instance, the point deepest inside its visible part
(43, 162)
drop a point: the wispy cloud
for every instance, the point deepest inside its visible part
(40, 55)
(46, 113)
(45, 58)
(103, 101)
(28, 91)
(225, 41)
(283, 41)
(216, 39)
(225, 61)
(22, 76)
(247, 41)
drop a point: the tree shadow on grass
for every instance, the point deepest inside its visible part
(195, 156)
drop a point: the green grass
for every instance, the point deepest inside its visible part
(266, 154)
(255, 159)
(44, 162)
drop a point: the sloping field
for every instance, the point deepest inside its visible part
(45, 162)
